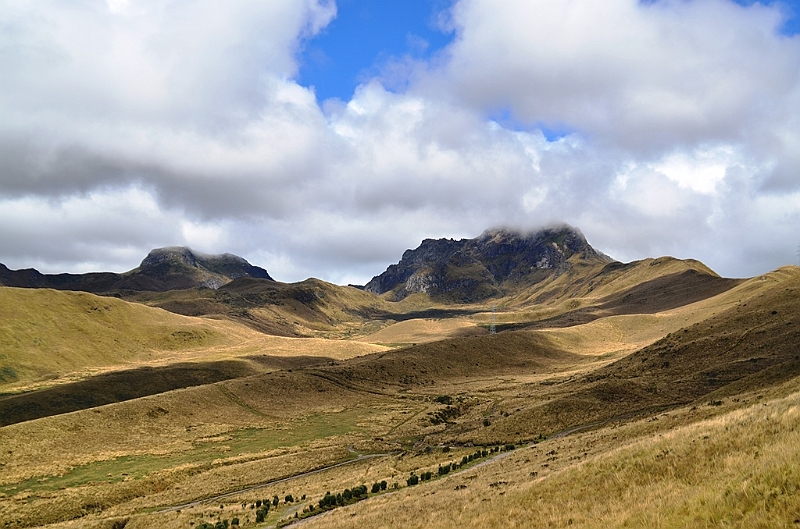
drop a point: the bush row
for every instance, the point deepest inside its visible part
(414, 479)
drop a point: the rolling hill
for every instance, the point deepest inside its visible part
(651, 393)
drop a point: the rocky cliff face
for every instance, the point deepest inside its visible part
(475, 269)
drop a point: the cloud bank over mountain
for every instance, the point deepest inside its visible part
(666, 127)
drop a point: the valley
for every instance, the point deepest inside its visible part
(652, 393)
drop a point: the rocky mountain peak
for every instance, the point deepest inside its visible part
(474, 269)
(171, 268)
(171, 254)
(207, 270)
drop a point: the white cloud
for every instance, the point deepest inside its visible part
(643, 75)
(699, 171)
(126, 125)
(105, 230)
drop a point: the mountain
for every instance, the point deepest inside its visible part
(163, 269)
(489, 265)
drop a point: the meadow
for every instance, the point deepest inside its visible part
(640, 412)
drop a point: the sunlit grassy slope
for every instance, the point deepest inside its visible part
(48, 334)
(657, 412)
(736, 465)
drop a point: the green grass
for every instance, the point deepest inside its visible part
(205, 452)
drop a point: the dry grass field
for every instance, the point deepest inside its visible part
(640, 412)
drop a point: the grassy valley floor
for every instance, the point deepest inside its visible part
(686, 416)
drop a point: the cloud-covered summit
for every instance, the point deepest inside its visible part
(665, 127)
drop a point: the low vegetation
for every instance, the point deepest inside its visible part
(638, 412)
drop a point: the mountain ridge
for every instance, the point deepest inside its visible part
(486, 266)
(163, 269)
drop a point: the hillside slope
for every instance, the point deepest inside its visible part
(46, 333)
(751, 343)
(50, 337)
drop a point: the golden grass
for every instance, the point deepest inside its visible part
(416, 331)
(619, 335)
(739, 469)
(49, 337)
(734, 464)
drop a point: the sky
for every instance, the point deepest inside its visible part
(322, 138)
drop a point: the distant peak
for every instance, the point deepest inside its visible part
(179, 254)
(228, 266)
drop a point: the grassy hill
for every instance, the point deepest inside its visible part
(648, 394)
(66, 351)
(46, 333)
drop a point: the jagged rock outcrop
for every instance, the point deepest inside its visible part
(475, 269)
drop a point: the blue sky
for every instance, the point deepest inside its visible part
(366, 34)
(657, 127)
(363, 36)
(792, 25)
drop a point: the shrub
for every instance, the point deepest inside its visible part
(328, 500)
(289, 498)
(383, 484)
(376, 488)
(413, 479)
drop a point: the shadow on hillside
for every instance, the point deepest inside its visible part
(431, 314)
(658, 295)
(131, 384)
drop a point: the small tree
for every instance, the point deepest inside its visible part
(413, 479)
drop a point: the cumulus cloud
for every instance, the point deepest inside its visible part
(645, 76)
(126, 125)
(102, 230)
